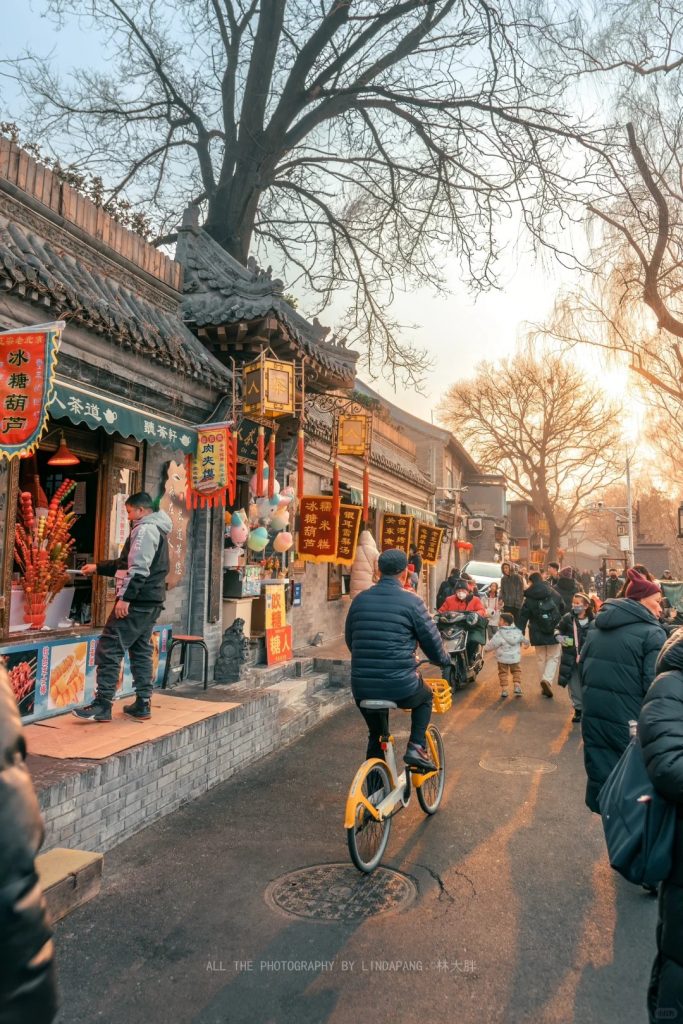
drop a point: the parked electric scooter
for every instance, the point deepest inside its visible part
(454, 628)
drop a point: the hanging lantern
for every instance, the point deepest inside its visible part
(353, 433)
(268, 388)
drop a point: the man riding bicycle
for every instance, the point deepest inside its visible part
(384, 626)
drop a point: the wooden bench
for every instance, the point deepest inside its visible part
(69, 878)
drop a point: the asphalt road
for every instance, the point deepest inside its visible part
(518, 918)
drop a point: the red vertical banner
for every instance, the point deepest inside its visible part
(396, 531)
(347, 533)
(428, 543)
(317, 530)
(300, 466)
(271, 465)
(260, 443)
(335, 490)
(28, 359)
(212, 469)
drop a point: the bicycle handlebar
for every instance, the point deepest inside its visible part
(428, 661)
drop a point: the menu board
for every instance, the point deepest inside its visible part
(428, 543)
(396, 531)
(317, 530)
(347, 533)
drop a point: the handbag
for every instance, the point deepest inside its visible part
(638, 823)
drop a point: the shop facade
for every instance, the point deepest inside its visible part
(131, 386)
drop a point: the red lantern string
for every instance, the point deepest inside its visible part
(336, 501)
(232, 485)
(300, 466)
(271, 465)
(366, 493)
(260, 444)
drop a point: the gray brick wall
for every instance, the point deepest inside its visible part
(110, 801)
(317, 614)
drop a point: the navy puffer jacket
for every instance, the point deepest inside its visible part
(384, 627)
(533, 598)
(617, 665)
(660, 729)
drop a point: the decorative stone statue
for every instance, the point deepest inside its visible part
(232, 655)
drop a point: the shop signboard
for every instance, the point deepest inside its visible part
(428, 543)
(514, 552)
(347, 533)
(276, 616)
(49, 676)
(28, 358)
(214, 466)
(396, 531)
(278, 645)
(317, 530)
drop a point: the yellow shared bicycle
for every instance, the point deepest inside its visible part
(378, 792)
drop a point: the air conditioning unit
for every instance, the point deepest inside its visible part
(475, 525)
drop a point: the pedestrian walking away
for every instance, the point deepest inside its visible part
(384, 626)
(617, 665)
(541, 611)
(506, 646)
(511, 591)
(140, 574)
(660, 730)
(571, 633)
(28, 993)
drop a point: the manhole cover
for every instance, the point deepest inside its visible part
(517, 764)
(337, 892)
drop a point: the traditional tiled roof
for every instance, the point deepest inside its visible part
(45, 272)
(220, 291)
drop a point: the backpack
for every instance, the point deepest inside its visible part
(546, 615)
(639, 824)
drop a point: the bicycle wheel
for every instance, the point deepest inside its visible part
(367, 837)
(430, 792)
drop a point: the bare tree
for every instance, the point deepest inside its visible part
(541, 423)
(357, 142)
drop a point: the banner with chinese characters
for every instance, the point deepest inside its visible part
(428, 542)
(28, 358)
(276, 616)
(347, 533)
(396, 532)
(212, 467)
(278, 645)
(317, 530)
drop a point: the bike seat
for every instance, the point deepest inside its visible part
(378, 705)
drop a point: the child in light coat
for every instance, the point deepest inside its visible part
(506, 645)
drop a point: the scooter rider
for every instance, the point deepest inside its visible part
(463, 600)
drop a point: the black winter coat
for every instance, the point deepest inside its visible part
(660, 729)
(511, 590)
(570, 654)
(612, 586)
(445, 590)
(533, 596)
(617, 666)
(566, 588)
(384, 626)
(27, 979)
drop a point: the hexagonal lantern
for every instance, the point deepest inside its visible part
(268, 388)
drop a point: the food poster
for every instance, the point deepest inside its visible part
(26, 676)
(69, 670)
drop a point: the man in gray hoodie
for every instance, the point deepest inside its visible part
(140, 573)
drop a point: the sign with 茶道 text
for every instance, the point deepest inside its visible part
(278, 645)
(347, 533)
(28, 358)
(396, 531)
(317, 530)
(428, 543)
(276, 616)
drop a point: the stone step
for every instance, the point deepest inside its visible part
(268, 675)
(295, 719)
(69, 878)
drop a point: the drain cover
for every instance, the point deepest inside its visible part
(337, 892)
(517, 764)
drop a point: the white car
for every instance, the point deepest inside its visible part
(483, 574)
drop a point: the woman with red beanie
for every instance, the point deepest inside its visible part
(617, 666)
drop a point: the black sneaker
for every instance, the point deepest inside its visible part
(418, 757)
(139, 709)
(576, 717)
(98, 711)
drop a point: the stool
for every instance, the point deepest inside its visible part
(183, 641)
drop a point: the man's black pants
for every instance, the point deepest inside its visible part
(420, 704)
(514, 612)
(133, 633)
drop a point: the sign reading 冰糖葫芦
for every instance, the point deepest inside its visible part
(28, 358)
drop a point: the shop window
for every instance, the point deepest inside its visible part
(106, 472)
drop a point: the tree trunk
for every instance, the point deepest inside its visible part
(554, 541)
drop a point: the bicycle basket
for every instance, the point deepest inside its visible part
(443, 698)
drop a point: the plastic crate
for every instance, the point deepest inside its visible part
(443, 697)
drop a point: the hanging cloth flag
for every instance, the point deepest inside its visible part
(212, 470)
(28, 360)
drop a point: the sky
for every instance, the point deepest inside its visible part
(459, 329)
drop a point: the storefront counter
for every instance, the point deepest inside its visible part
(51, 675)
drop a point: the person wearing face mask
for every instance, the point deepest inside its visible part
(463, 600)
(617, 665)
(571, 634)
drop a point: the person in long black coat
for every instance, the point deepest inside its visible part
(660, 729)
(617, 666)
(566, 586)
(27, 979)
(545, 643)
